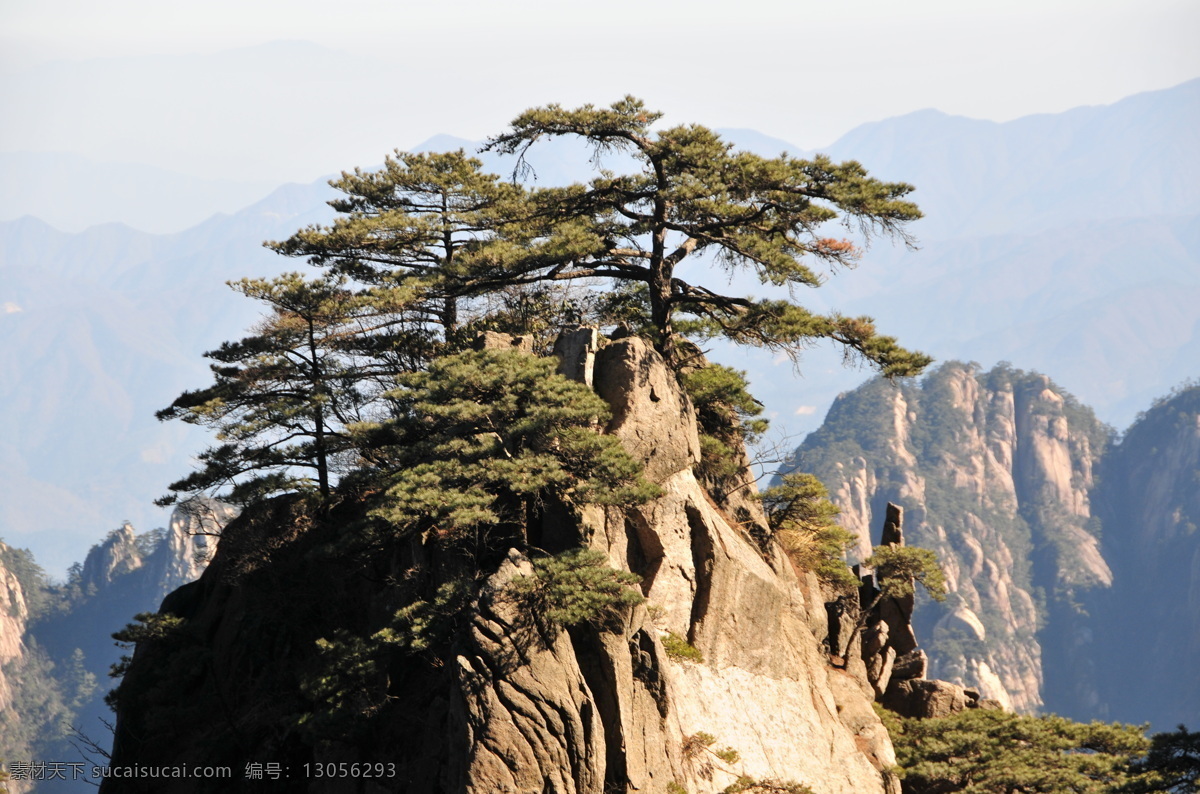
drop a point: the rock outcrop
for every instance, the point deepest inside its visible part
(888, 648)
(995, 473)
(512, 706)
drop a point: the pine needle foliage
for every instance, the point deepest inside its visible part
(749, 785)
(417, 223)
(282, 397)
(482, 438)
(801, 516)
(691, 197)
(576, 587)
(996, 752)
(728, 418)
(348, 681)
(898, 568)
(1171, 767)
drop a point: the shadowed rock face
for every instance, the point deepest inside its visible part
(511, 707)
(1148, 625)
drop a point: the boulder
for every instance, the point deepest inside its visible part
(928, 699)
(494, 340)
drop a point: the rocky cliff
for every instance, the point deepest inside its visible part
(14, 613)
(722, 673)
(995, 473)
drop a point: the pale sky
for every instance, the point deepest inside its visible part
(803, 71)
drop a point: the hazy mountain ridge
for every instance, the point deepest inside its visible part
(100, 330)
(108, 192)
(1106, 306)
(1041, 171)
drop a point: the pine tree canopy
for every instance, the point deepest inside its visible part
(430, 249)
(694, 195)
(480, 437)
(414, 222)
(282, 397)
(438, 222)
(995, 752)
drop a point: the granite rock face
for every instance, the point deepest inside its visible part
(1072, 555)
(895, 666)
(514, 707)
(14, 615)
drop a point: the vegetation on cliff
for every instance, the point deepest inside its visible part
(801, 516)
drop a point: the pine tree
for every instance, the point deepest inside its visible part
(414, 222)
(479, 439)
(693, 195)
(431, 241)
(996, 752)
(282, 397)
(801, 516)
(1171, 767)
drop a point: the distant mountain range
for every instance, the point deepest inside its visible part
(72, 193)
(1067, 243)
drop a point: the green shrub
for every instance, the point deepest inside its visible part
(802, 519)
(771, 786)
(576, 587)
(680, 649)
(150, 627)
(897, 568)
(728, 755)
(727, 416)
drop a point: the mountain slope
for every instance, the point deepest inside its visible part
(1073, 556)
(56, 647)
(1148, 626)
(492, 698)
(994, 471)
